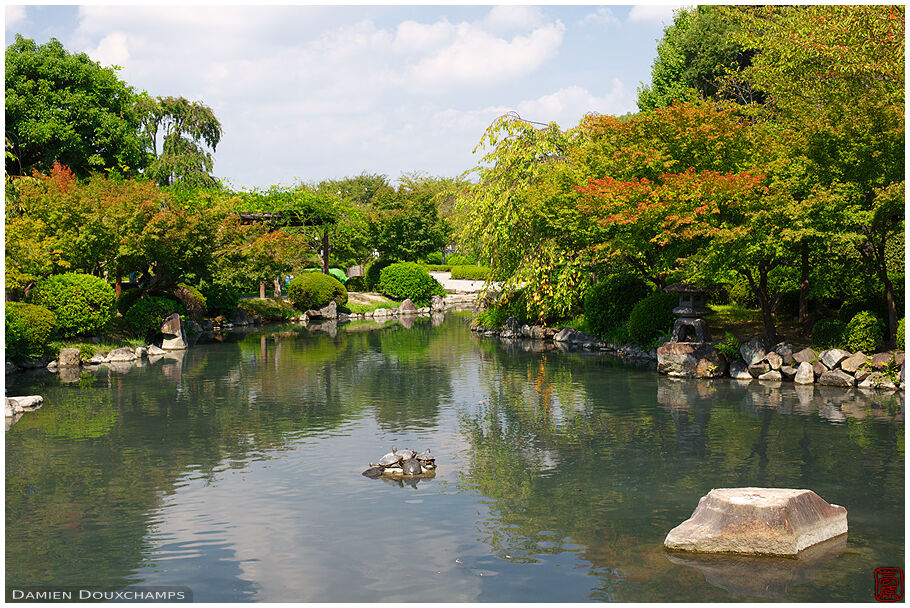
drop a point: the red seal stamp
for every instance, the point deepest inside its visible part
(889, 584)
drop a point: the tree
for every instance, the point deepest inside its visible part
(185, 128)
(407, 226)
(66, 108)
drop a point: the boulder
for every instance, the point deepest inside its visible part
(11, 368)
(899, 358)
(804, 374)
(787, 371)
(142, 352)
(879, 362)
(771, 376)
(120, 354)
(52, 366)
(564, 334)
(437, 304)
(818, 368)
(806, 355)
(17, 405)
(774, 360)
(97, 359)
(785, 351)
(862, 374)
(174, 336)
(752, 351)
(240, 318)
(330, 311)
(154, 351)
(739, 371)
(407, 307)
(832, 357)
(758, 521)
(852, 363)
(69, 357)
(878, 380)
(690, 360)
(836, 378)
(537, 332)
(759, 368)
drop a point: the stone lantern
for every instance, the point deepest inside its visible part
(689, 353)
(689, 326)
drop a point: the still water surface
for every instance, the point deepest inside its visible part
(234, 469)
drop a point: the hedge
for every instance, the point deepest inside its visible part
(471, 273)
(149, 312)
(828, 333)
(373, 270)
(82, 303)
(652, 317)
(608, 304)
(313, 290)
(864, 332)
(409, 280)
(28, 329)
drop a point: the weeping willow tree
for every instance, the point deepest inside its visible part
(186, 130)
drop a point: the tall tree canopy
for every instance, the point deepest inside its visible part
(64, 107)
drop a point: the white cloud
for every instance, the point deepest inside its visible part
(13, 14)
(603, 16)
(506, 18)
(411, 36)
(567, 105)
(654, 12)
(112, 50)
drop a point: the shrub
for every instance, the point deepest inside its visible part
(900, 334)
(728, 347)
(409, 280)
(864, 332)
(740, 293)
(269, 310)
(471, 273)
(192, 299)
(434, 258)
(828, 333)
(220, 298)
(460, 259)
(312, 290)
(607, 305)
(338, 273)
(652, 317)
(127, 298)
(82, 303)
(355, 284)
(373, 271)
(874, 303)
(28, 329)
(437, 267)
(149, 312)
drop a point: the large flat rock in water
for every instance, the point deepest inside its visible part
(758, 521)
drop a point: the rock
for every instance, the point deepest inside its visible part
(852, 363)
(69, 357)
(154, 351)
(97, 359)
(537, 333)
(771, 376)
(804, 374)
(512, 324)
(17, 405)
(879, 362)
(862, 374)
(758, 521)
(207, 325)
(752, 351)
(330, 311)
(818, 368)
(785, 351)
(759, 368)
(774, 360)
(806, 355)
(142, 352)
(407, 307)
(11, 368)
(739, 371)
(899, 358)
(580, 337)
(836, 378)
(832, 357)
(437, 304)
(120, 355)
(787, 371)
(564, 334)
(240, 317)
(52, 366)
(688, 360)
(878, 380)
(174, 336)
(424, 310)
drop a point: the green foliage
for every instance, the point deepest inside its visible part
(313, 290)
(338, 273)
(460, 259)
(192, 299)
(372, 272)
(434, 257)
(471, 273)
(437, 267)
(269, 310)
(728, 347)
(900, 334)
(652, 317)
(355, 284)
(873, 303)
(82, 303)
(127, 298)
(28, 329)
(864, 332)
(66, 108)
(828, 333)
(221, 298)
(608, 303)
(409, 280)
(149, 313)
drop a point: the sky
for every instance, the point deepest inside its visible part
(307, 93)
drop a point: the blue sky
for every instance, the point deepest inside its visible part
(316, 92)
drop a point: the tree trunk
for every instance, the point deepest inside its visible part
(803, 319)
(764, 302)
(325, 250)
(261, 291)
(277, 283)
(118, 289)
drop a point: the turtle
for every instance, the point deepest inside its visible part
(425, 456)
(373, 472)
(407, 454)
(411, 466)
(390, 459)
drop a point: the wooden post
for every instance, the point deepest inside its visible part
(325, 249)
(262, 291)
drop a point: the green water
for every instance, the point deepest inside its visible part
(234, 469)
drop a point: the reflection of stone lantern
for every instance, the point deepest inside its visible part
(690, 327)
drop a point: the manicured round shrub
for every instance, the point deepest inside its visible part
(434, 258)
(607, 305)
(82, 303)
(313, 290)
(409, 280)
(192, 299)
(149, 312)
(828, 333)
(874, 303)
(220, 298)
(900, 334)
(338, 273)
(864, 332)
(652, 317)
(460, 259)
(355, 284)
(28, 328)
(470, 273)
(373, 270)
(127, 298)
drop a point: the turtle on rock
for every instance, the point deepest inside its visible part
(406, 464)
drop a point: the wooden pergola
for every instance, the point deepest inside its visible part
(281, 219)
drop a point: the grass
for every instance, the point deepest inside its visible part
(362, 308)
(89, 349)
(270, 309)
(745, 324)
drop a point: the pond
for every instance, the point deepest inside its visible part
(234, 469)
